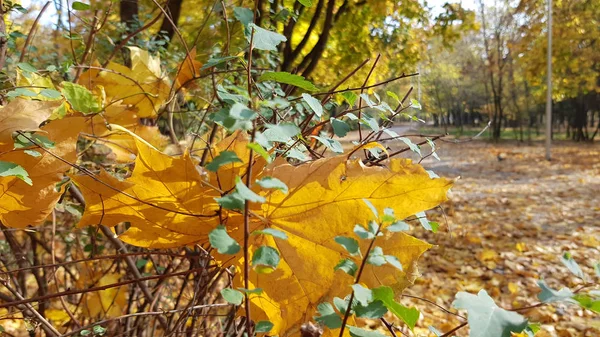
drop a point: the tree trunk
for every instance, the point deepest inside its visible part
(129, 11)
(169, 24)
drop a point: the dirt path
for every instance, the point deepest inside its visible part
(511, 216)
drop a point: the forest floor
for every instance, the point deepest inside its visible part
(507, 223)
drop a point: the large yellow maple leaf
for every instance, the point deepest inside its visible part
(143, 85)
(324, 200)
(21, 204)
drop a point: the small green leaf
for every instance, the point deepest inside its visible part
(8, 169)
(407, 315)
(99, 330)
(50, 93)
(391, 259)
(415, 104)
(371, 207)
(585, 301)
(305, 3)
(80, 98)
(398, 226)
(376, 257)
(573, 267)
(224, 158)
(340, 128)
(260, 150)
(265, 39)
(213, 62)
(532, 329)
(272, 232)
(245, 193)
(328, 316)
(21, 92)
(393, 95)
(424, 222)
(140, 263)
(222, 242)
(85, 333)
(263, 326)
(549, 295)
(350, 244)
(273, 183)
(358, 332)
(80, 6)
(287, 78)
(370, 122)
(265, 256)
(26, 67)
(346, 265)
(243, 15)
(314, 104)
(362, 233)
(27, 139)
(281, 133)
(486, 318)
(232, 296)
(331, 144)
(412, 146)
(231, 201)
(32, 153)
(350, 97)
(363, 295)
(255, 291)
(373, 310)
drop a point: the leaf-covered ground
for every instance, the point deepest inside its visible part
(511, 215)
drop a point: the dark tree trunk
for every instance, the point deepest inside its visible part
(170, 23)
(129, 13)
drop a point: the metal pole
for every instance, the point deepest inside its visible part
(549, 92)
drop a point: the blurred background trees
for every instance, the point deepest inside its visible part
(480, 61)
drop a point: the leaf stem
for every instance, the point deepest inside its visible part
(356, 280)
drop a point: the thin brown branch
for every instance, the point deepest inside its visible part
(32, 32)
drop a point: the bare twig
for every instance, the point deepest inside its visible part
(32, 32)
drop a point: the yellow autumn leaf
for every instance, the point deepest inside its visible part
(23, 115)
(166, 200)
(103, 303)
(325, 201)
(21, 204)
(143, 85)
(188, 69)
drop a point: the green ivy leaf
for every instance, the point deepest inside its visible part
(376, 257)
(288, 78)
(243, 15)
(231, 201)
(222, 242)
(373, 310)
(281, 133)
(328, 316)
(331, 144)
(573, 267)
(8, 169)
(265, 39)
(314, 104)
(407, 315)
(485, 318)
(265, 256)
(363, 295)
(349, 244)
(350, 97)
(272, 232)
(245, 193)
(358, 332)
(340, 128)
(80, 98)
(26, 67)
(348, 266)
(232, 296)
(80, 6)
(263, 326)
(272, 183)
(224, 158)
